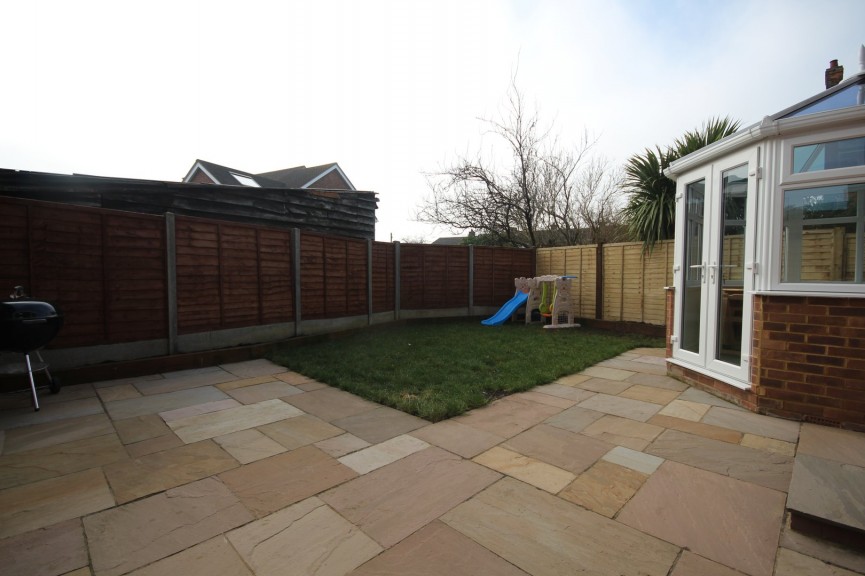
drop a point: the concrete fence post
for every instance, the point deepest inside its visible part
(369, 281)
(396, 281)
(471, 280)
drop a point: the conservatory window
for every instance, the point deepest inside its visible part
(823, 231)
(829, 155)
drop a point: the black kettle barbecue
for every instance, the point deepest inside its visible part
(26, 326)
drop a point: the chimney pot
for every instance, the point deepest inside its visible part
(834, 74)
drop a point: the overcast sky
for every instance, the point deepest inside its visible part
(389, 89)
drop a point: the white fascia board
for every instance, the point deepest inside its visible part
(328, 171)
(765, 129)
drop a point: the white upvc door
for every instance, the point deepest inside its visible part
(715, 215)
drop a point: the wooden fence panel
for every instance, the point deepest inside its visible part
(383, 278)
(135, 275)
(484, 283)
(277, 277)
(239, 276)
(14, 247)
(312, 277)
(457, 277)
(411, 272)
(198, 275)
(358, 291)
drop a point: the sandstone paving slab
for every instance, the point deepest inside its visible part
(618, 406)
(379, 455)
(572, 379)
(33, 506)
(821, 549)
(691, 564)
(249, 445)
(828, 490)
(549, 400)
(138, 428)
(543, 534)
(561, 448)
(650, 394)
(136, 534)
(633, 459)
(623, 432)
(605, 385)
(466, 441)
(769, 444)
(341, 445)
(380, 424)
(703, 397)
(299, 380)
(174, 381)
(507, 417)
(685, 410)
(80, 572)
(654, 352)
(608, 373)
(604, 488)
(261, 392)
(203, 426)
(738, 526)
(393, 502)
(698, 428)
(656, 357)
(310, 385)
(153, 445)
(26, 416)
(51, 550)
(214, 557)
(755, 466)
(244, 382)
(196, 409)
(123, 381)
(131, 407)
(305, 538)
(73, 392)
(574, 419)
(833, 444)
(119, 392)
(300, 431)
(438, 549)
(273, 483)
(664, 382)
(56, 432)
(331, 404)
(132, 479)
(634, 365)
(791, 563)
(2, 440)
(42, 463)
(252, 368)
(565, 392)
(530, 470)
(757, 424)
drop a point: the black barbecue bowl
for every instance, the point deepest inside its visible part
(27, 325)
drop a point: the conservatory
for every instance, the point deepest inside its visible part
(768, 303)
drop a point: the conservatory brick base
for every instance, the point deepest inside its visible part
(807, 362)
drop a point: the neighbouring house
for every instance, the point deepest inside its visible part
(768, 303)
(324, 177)
(277, 200)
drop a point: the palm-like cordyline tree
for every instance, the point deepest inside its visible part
(651, 209)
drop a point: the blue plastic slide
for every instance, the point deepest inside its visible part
(507, 310)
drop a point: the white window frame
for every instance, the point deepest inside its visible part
(791, 181)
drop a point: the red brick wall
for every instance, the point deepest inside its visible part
(201, 178)
(809, 358)
(668, 319)
(331, 181)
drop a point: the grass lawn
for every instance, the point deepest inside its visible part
(438, 370)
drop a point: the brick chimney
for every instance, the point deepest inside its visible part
(834, 74)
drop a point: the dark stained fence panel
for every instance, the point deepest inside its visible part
(312, 277)
(383, 258)
(198, 275)
(277, 278)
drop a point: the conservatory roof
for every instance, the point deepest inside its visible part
(840, 104)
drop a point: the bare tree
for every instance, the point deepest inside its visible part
(546, 196)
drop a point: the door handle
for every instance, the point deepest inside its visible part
(702, 268)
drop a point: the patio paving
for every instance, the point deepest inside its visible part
(251, 470)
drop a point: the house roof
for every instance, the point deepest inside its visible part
(306, 177)
(297, 178)
(840, 104)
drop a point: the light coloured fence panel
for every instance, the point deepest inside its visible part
(633, 283)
